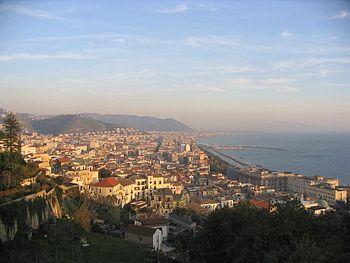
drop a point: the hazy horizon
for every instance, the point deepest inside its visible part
(252, 65)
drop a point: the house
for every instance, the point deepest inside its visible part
(144, 235)
(160, 223)
(260, 204)
(106, 187)
(163, 201)
(180, 223)
(83, 178)
(176, 187)
(210, 204)
(318, 210)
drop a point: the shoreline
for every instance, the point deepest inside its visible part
(325, 155)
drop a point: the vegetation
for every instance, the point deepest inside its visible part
(63, 244)
(84, 215)
(18, 211)
(143, 123)
(71, 124)
(289, 234)
(11, 133)
(84, 210)
(13, 169)
(104, 173)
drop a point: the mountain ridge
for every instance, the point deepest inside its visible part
(71, 123)
(144, 123)
(32, 122)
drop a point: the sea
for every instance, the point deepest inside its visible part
(326, 154)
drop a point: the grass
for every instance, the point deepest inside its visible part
(63, 245)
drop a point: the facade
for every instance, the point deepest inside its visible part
(160, 223)
(318, 187)
(83, 178)
(144, 235)
(163, 201)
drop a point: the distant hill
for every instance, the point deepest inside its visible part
(144, 123)
(24, 118)
(70, 124)
(94, 121)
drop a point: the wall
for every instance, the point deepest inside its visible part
(27, 212)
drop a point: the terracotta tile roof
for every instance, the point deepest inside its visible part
(260, 204)
(107, 182)
(154, 221)
(126, 182)
(141, 230)
(64, 160)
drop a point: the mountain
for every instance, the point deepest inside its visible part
(49, 124)
(144, 123)
(25, 119)
(70, 124)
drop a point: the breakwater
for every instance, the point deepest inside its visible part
(216, 152)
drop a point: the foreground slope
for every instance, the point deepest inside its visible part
(61, 243)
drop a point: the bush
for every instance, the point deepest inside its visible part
(248, 234)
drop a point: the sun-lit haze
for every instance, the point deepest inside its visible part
(260, 65)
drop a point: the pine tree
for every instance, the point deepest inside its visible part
(11, 133)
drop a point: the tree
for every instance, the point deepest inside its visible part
(288, 234)
(11, 134)
(104, 173)
(84, 215)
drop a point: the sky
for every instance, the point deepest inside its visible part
(238, 65)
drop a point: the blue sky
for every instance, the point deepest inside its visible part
(281, 65)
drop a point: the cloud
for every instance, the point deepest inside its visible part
(183, 7)
(26, 56)
(176, 9)
(205, 7)
(342, 14)
(263, 84)
(212, 40)
(37, 13)
(310, 62)
(213, 89)
(286, 34)
(235, 69)
(337, 84)
(239, 81)
(276, 81)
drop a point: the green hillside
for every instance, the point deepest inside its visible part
(144, 123)
(71, 124)
(63, 244)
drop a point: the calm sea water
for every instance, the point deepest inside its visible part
(309, 154)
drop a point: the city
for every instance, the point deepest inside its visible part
(168, 182)
(174, 131)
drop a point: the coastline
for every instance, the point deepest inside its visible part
(306, 154)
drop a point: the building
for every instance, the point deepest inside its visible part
(163, 201)
(83, 178)
(107, 187)
(144, 235)
(160, 223)
(318, 187)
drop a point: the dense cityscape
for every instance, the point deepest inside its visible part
(149, 188)
(174, 131)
